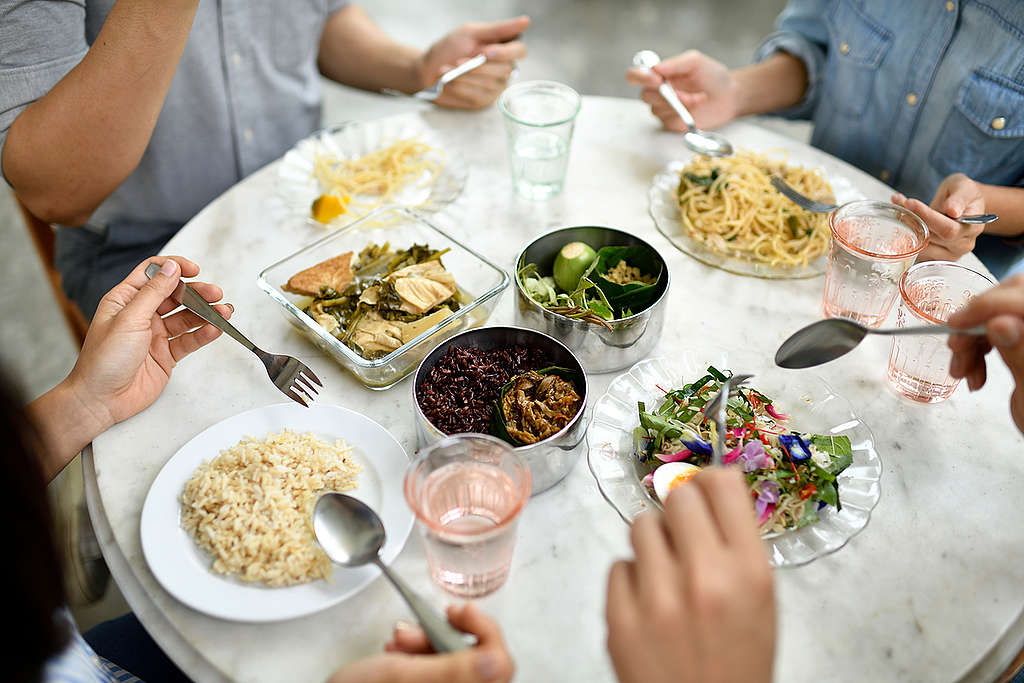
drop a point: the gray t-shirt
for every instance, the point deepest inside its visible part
(246, 89)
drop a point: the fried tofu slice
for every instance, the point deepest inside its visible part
(335, 273)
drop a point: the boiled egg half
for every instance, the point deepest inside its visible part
(671, 475)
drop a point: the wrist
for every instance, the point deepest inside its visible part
(86, 409)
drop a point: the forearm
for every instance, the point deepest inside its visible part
(355, 51)
(65, 424)
(71, 148)
(778, 82)
(1008, 204)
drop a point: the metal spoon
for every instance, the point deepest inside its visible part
(700, 141)
(351, 534)
(821, 207)
(831, 338)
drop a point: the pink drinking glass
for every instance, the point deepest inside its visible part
(930, 292)
(873, 244)
(467, 492)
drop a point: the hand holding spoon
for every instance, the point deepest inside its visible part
(826, 340)
(700, 141)
(351, 534)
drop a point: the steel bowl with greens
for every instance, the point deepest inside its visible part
(595, 286)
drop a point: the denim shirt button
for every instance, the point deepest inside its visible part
(912, 99)
(844, 48)
(999, 122)
(950, 6)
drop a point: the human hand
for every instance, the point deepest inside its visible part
(697, 603)
(130, 349)
(949, 239)
(1001, 310)
(705, 86)
(409, 656)
(481, 86)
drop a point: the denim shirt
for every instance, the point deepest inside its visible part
(912, 91)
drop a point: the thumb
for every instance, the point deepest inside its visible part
(154, 292)
(501, 31)
(681, 65)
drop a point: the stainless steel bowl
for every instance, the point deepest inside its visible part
(598, 348)
(550, 459)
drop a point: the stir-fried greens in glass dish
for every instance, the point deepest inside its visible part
(792, 475)
(382, 299)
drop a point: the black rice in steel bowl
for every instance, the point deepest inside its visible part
(515, 393)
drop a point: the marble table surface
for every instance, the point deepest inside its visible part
(928, 591)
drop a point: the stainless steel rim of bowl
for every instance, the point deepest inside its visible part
(431, 358)
(641, 242)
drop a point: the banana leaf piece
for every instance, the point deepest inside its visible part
(635, 295)
(499, 422)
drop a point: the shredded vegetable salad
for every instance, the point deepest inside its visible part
(792, 475)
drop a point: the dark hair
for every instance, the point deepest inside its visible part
(31, 571)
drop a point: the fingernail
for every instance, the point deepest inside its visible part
(487, 665)
(232, 307)
(170, 268)
(1004, 337)
(490, 52)
(404, 626)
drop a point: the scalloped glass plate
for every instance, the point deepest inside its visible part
(665, 212)
(815, 407)
(297, 188)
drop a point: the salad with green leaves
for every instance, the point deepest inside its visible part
(792, 475)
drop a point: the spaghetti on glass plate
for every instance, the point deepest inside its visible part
(808, 457)
(725, 213)
(342, 173)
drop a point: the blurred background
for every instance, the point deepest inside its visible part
(586, 44)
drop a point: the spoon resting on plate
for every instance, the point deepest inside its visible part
(700, 141)
(821, 207)
(351, 534)
(826, 340)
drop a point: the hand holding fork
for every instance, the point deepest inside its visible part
(293, 378)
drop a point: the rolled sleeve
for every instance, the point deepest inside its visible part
(40, 42)
(801, 32)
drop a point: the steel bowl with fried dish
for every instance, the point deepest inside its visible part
(550, 458)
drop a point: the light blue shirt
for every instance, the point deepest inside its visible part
(911, 91)
(78, 663)
(245, 90)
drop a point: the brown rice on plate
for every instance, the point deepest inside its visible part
(250, 507)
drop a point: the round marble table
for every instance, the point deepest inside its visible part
(929, 591)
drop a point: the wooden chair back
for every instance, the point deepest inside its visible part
(45, 240)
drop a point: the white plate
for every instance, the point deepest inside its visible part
(183, 568)
(297, 188)
(664, 209)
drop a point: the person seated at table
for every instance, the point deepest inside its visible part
(926, 96)
(700, 568)
(121, 119)
(133, 344)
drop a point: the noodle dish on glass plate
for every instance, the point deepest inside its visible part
(725, 213)
(340, 174)
(809, 459)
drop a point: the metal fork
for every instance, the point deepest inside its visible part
(715, 408)
(432, 92)
(819, 207)
(292, 377)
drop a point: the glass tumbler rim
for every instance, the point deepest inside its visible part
(921, 228)
(516, 88)
(524, 486)
(925, 265)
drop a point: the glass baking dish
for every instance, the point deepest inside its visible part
(480, 282)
